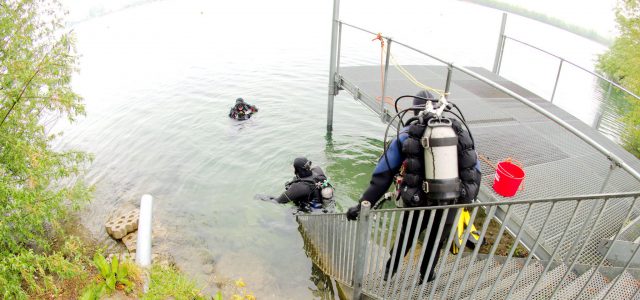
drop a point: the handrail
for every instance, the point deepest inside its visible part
(544, 112)
(395, 41)
(361, 265)
(610, 155)
(609, 196)
(575, 65)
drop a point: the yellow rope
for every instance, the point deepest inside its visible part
(402, 70)
(412, 78)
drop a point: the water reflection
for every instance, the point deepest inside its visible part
(350, 167)
(613, 105)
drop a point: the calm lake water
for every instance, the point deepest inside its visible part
(159, 79)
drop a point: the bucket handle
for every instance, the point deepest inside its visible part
(515, 162)
(519, 164)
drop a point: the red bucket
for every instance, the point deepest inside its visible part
(508, 178)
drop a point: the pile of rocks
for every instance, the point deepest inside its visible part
(125, 227)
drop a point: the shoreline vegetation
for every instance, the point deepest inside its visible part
(44, 254)
(621, 63)
(543, 18)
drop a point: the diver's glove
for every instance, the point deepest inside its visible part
(353, 212)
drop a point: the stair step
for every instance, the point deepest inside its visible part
(631, 232)
(451, 259)
(487, 279)
(546, 286)
(572, 289)
(507, 282)
(392, 289)
(475, 274)
(625, 288)
(475, 270)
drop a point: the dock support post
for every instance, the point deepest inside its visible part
(383, 114)
(362, 237)
(500, 49)
(333, 89)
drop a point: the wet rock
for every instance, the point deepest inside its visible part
(130, 241)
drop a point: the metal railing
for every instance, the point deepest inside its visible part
(567, 235)
(386, 116)
(359, 253)
(610, 85)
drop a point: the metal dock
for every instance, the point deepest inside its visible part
(577, 214)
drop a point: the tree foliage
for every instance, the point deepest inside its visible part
(38, 185)
(622, 63)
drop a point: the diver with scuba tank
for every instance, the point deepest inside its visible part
(433, 162)
(242, 110)
(309, 189)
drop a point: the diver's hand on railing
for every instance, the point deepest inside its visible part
(353, 212)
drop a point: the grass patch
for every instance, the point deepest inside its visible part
(506, 241)
(167, 281)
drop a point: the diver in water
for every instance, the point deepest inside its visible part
(242, 110)
(309, 188)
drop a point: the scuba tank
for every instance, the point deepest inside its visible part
(440, 141)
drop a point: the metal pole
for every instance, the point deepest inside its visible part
(362, 235)
(555, 85)
(338, 51)
(384, 81)
(499, 50)
(143, 254)
(448, 83)
(612, 167)
(332, 64)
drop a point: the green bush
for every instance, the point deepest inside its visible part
(622, 64)
(37, 183)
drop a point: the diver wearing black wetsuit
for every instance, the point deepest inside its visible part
(304, 188)
(242, 110)
(406, 151)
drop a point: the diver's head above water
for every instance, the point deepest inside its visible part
(302, 167)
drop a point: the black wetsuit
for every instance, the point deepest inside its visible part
(302, 190)
(383, 176)
(242, 111)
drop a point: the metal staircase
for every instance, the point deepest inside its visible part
(355, 254)
(578, 217)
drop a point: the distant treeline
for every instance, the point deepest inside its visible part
(98, 10)
(514, 9)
